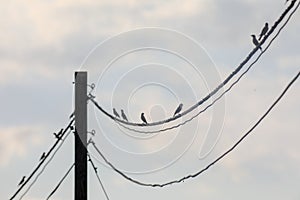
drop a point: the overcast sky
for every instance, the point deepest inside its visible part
(44, 42)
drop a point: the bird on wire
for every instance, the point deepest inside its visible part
(255, 41)
(144, 118)
(123, 115)
(178, 109)
(56, 136)
(116, 113)
(43, 156)
(264, 31)
(22, 181)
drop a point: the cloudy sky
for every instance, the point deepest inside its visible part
(194, 45)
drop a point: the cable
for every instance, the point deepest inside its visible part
(60, 182)
(223, 93)
(41, 162)
(212, 163)
(96, 172)
(44, 167)
(240, 66)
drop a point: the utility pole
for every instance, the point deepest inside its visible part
(80, 192)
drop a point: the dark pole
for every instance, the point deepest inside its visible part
(80, 136)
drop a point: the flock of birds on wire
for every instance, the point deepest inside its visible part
(58, 136)
(143, 118)
(255, 41)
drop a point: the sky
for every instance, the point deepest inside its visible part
(149, 56)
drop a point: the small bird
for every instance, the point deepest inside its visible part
(56, 135)
(264, 30)
(178, 109)
(123, 115)
(143, 118)
(255, 42)
(116, 113)
(22, 181)
(43, 156)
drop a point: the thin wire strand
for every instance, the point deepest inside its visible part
(223, 93)
(240, 66)
(96, 173)
(41, 162)
(212, 163)
(60, 182)
(44, 167)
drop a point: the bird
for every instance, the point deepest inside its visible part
(56, 136)
(264, 30)
(255, 42)
(22, 181)
(143, 118)
(178, 109)
(43, 156)
(116, 113)
(123, 115)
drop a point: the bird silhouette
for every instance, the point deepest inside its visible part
(144, 118)
(43, 156)
(123, 115)
(116, 113)
(22, 181)
(264, 31)
(255, 42)
(178, 109)
(56, 136)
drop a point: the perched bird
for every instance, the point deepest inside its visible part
(123, 115)
(178, 109)
(116, 113)
(143, 118)
(43, 156)
(57, 136)
(255, 42)
(22, 181)
(264, 31)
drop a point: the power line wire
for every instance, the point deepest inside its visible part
(44, 167)
(212, 163)
(42, 161)
(240, 66)
(223, 93)
(60, 182)
(96, 172)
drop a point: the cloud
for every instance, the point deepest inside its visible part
(16, 141)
